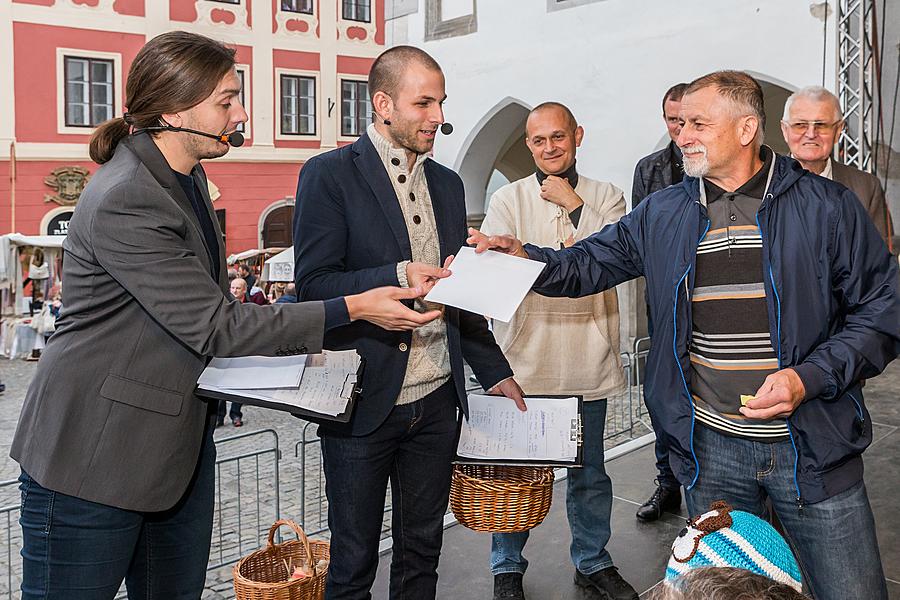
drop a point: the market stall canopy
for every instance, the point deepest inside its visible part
(9, 245)
(252, 253)
(11, 275)
(41, 241)
(280, 267)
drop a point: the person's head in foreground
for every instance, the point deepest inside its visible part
(725, 583)
(724, 537)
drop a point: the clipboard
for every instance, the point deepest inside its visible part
(303, 413)
(576, 432)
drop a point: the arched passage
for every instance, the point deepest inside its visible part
(276, 225)
(775, 94)
(494, 152)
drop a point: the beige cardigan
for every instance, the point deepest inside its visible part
(560, 345)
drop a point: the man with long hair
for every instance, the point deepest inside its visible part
(116, 451)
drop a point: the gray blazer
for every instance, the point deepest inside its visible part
(868, 189)
(111, 414)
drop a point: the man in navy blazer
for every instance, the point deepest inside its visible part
(375, 213)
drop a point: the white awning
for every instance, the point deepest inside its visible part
(280, 267)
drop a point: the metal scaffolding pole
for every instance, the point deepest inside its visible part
(856, 81)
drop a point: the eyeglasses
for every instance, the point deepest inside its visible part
(801, 127)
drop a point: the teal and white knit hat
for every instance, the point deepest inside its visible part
(724, 537)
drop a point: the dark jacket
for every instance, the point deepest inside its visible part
(653, 173)
(349, 235)
(833, 303)
(870, 193)
(111, 414)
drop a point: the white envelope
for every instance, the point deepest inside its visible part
(490, 284)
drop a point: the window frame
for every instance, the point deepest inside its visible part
(245, 76)
(311, 11)
(356, 79)
(356, 3)
(62, 126)
(317, 120)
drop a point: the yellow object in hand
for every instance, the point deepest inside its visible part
(745, 398)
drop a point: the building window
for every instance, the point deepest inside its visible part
(357, 10)
(298, 105)
(89, 91)
(356, 107)
(242, 96)
(563, 4)
(450, 18)
(297, 6)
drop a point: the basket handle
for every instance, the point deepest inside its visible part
(298, 530)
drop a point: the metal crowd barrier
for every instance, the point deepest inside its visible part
(248, 494)
(10, 539)
(248, 501)
(248, 483)
(313, 502)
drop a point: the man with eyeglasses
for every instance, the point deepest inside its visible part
(771, 299)
(811, 126)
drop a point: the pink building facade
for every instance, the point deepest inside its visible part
(64, 64)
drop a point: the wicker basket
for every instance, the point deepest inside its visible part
(263, 575)
(500, 499)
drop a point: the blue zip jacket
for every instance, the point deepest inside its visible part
(833, 304)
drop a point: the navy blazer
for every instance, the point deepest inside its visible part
(349, 235)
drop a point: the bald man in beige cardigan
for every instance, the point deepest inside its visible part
(563, 345)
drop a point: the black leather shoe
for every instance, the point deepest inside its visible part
(608, 583)
(508, 586)
(237, 422)
(664, 498)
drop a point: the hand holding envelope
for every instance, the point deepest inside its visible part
(505, 244)
(488, 283)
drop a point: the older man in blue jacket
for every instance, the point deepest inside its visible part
(778, 297)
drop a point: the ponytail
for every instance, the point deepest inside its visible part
(105, 139)
(173, 72)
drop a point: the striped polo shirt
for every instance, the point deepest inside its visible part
(731, 351)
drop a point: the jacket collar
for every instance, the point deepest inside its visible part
(372, 169)
(785, 172)
(148, 153)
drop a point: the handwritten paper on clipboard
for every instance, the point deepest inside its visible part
(496, 431)
(325, 388)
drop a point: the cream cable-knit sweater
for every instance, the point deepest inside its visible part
(560, 345)
(429, 358)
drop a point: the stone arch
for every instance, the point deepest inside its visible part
(775, 93)
(495, 143)
(268, 212)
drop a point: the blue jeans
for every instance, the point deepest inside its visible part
(74, 549)
(413, 449)
(588, 507)
(834, 540)
(234, 413)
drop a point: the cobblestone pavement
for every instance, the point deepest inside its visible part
(250, 492)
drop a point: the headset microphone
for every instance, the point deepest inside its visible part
(446, 128)
(234, 139)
